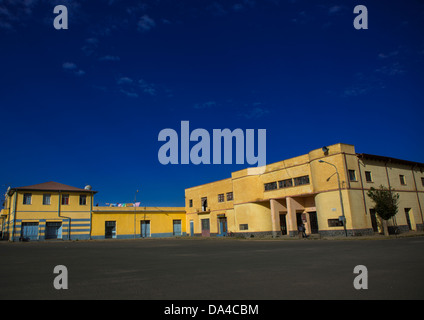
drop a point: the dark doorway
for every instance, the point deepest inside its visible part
(313, 220)
(283, 224)
(408, 219)
(110, 229)
(299, 219)
(373, 220)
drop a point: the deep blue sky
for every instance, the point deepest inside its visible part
(85, 105)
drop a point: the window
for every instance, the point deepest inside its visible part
(270, 186)
(229, 196)
(402, 180)
(335, 223)
(422, 181)
(83, 200)
(65, 199)
(368, 176)
(204, 202)
(301, 180)
(352, 175)
(27, 198)
(244, 227)
(190, 203)
(46, 199)
(221, 197)
(285, 183)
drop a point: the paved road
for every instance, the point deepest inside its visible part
(197, 269)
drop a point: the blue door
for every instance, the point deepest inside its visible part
(145, 228)
(53, 230)
(177, 227)
(191, 228)
(222, 226)
(30, 230)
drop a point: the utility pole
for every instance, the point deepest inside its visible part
(135, 200)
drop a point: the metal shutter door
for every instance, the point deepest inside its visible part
(30, 230)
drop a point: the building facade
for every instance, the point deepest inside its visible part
(325, 190)
(48, 210)
(138, 222)
(53, 210)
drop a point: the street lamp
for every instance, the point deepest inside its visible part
(340, 193)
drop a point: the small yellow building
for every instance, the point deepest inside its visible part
(48, 210)
(319, 190)
(137, 222)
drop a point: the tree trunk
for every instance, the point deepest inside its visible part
(385, 228)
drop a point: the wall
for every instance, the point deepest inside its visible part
(161, 221)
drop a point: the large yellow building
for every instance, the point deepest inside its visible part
(305, 190)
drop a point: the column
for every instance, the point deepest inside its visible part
(275, 218)
(291, 217)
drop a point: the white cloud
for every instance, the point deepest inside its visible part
(145, 23)
(205, 105)
(256, 112)
(71, 67)
(129, 93)
(109, 58)
(124, 81)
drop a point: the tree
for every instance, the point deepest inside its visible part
(386, 203)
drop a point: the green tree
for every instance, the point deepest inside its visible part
(386, 203)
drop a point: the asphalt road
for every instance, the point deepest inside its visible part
(213, 269)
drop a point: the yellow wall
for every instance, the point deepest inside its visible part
(161, 221)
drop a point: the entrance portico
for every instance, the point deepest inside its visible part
(287, 213)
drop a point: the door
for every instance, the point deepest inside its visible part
(29, 230)
(408, 218)
(283, 224)
(53, 230)
(373, 220)
(177, 227)
(313, 220)
(222, 226)
(299, 219)
(145, 228)
(191, 228)
(205, 228)
(110, 229)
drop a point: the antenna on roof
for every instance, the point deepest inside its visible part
(87, 187)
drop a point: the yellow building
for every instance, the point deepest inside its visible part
(48, 210)
(305, 190)
(138, 222)
(53, 210)
(324, 190)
